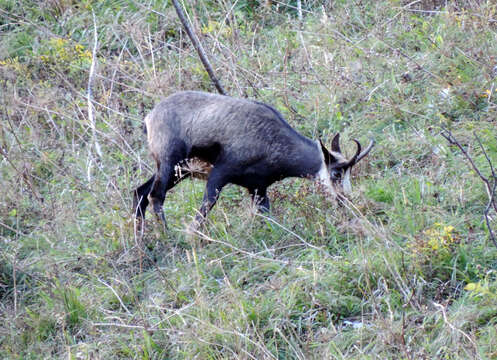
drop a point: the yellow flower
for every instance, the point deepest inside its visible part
(487, 93)
(440, 236)
(87, 54)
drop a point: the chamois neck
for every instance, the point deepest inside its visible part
(306, 160)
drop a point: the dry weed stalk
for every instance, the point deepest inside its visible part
(91, 76)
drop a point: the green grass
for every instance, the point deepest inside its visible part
(406, 270)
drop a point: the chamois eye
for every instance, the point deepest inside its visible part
(336, 174)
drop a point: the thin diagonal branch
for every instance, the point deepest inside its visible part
(492, 171)
(490, 183)
(453, 141)
(198, 46)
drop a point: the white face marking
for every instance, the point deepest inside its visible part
(323, 175)
(347, 188)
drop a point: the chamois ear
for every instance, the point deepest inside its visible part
(328, 158)
(335, 144)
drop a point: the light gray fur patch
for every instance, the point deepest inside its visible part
(148, 120)
(347, 188)
(339, 157)
(323, 175)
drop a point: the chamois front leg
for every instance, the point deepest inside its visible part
(215, 183)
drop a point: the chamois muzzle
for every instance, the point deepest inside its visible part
(340, 175)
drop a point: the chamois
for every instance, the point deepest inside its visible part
(236, 141)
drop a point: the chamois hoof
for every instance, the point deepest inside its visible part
(160, 216)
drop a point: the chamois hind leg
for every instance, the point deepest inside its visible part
(259, 197)
(165, 178)
(140, 198)
(140, 194)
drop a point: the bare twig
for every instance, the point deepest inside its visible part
(14, 276)
(127, 326)
(451, 326)
(17, 232)
(116, 295)
(301, 239)
(490, 183)
(299, 11)
(198, 46)
(24, 175)
(191, 231)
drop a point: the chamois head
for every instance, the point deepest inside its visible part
(338, 167)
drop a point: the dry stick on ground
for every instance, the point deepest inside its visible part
(198, 46)
(490, 183)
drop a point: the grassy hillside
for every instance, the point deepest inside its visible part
(406, 270)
